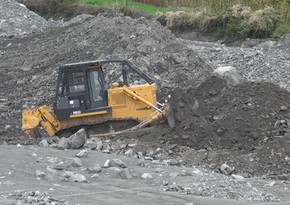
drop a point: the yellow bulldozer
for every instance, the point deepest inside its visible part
(84, 99)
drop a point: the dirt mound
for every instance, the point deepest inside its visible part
(215, 115)
(211, 115)
(29, 65)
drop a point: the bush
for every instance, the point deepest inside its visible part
(263, 22)
(177, 21)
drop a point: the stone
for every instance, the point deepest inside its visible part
(174, 162)
(99, 146)
(131, 145)
(123, 146)
(77, 162)
(106, 147)
(141, 163)
(226, 169)
(78, 139)
(60, 166)
(63, 143)
(284, 108)
(78, 178)
(7, 127)
(107, 164)
(129, 152)
(82, 153)
(271, 184)
(43, 143)
(91, 144)
(95, 176)
(117, 163)
(146, 176)
(40, 173)
(95, 169)
(149, 153)
(125, 174)
(238, 177)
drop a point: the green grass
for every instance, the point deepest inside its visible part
(146, 8)
(282, 29)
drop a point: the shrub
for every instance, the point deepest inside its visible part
(263, 22)
(177, 20)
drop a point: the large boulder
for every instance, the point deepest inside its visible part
(78, 139)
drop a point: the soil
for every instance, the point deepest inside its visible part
(245, 124)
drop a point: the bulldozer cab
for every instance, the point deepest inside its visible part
(81, 87)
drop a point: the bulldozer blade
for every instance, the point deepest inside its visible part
(33, 133)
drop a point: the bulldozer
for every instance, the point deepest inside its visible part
(84, 99)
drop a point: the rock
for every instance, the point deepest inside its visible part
(238, 178)
(60, 166)
(174, 162)
(129, 152)
(95, 169)
(139, 155)
(40, 173)
(82, 153)
(78, 178)
(146, 176)
(117, 163)
(131, 145)
(63, 143)
(230, 74)
(123, 146)
(125, 174)
(271, 184)
(284, 108)
(141, 163)
(106, 164)
(77, 162)
(226, 169)
(106, 147)
(7, 127)
(95, 176)
(99, 145)
(43, 143)
(150, 153)
(78, 139)
(91, 144)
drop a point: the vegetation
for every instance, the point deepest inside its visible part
(223, 19)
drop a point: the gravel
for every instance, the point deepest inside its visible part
(267, 61)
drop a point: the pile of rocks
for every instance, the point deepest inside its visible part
(255, 60)
(35, 197)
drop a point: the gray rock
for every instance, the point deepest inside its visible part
(43, 143)
(106, 164)
(106, 147)
(77, 162)
(63, 143)
(99, 146)
(226, 169)
(82, 153)
(40, 173)
(146, 176)
(125, 174)
(174, 162)
(78, 139)
(238, 177)
(129, 152)
(78, 178)
(117, 163)
(95, 169)
(91, 144)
